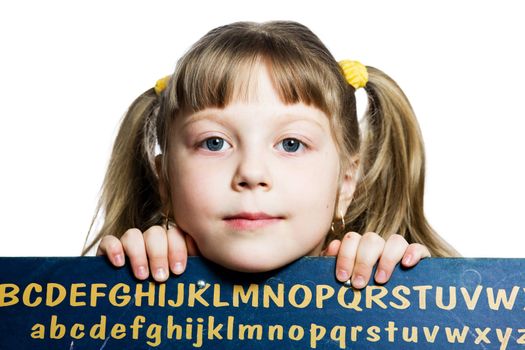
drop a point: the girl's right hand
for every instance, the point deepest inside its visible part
(155, 250)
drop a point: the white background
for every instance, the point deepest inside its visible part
(69, 69)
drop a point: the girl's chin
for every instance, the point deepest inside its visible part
(258, 256)
(254, 264)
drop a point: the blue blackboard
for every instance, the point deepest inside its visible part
(84, 303)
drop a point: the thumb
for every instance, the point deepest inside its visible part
(193, 250)
(333, 248)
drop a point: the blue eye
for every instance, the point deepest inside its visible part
(215, 144)
(291, 145)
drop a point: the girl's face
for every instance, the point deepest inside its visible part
(255, 183)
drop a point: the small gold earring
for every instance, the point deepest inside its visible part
(343, 222)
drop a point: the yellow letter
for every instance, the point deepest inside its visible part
(307, 296)
(471, 301)
(321, 295)
(338, 333)
(454, 335)
(276, 328)
(95, 294)
(138, 321)
(199, 333)
(422, 295)
(173, 328)
(27, 295)
(98, 330)
(410, 338)
(118, 331)
(391, 330)
(430, 337)
(180, 296)
(405, 303)
(504, 338)
(150, 294)
(51, 290)
(124, 299)
(355, 301)
(251, 328)
(452, 298)
(316, 333)
(373, 334)
(245, 296)
(11, 294)
(268, 293)
(501, 297)
(75, 294)
(74, 331)
(162, 295)
(56, 330)
(38, 331)
(370, 297)
(214, 331)
(296, 332)
(217, 302)
(194, 295)
(154, 332)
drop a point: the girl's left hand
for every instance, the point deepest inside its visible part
(357, 255)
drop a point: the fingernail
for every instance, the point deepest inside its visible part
(142, 272)
(358, 281)
(407, 260)
(381, 276)
(118, 260)
(178, 268)
(342, 275)
(160, 274)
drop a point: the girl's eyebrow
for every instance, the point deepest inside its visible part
(218, 116)
(288, 118)
(204, 115)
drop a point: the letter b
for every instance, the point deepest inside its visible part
(56, 330)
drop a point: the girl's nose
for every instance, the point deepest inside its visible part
(252, 173)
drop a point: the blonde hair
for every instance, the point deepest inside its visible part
(389, 194)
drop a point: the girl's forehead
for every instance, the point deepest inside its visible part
(255, 88)
(255, 84)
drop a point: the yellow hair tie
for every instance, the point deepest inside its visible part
(161, 84)
(355, 73)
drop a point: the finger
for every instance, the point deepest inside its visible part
(111, 246)
(346, 257)
(177, 252)
(332, 249)
(370, 248)
(133, 243)
(414, 253)
(191, 246)
(395, 248)
(156, 242)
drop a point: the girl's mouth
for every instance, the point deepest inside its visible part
(251, 221)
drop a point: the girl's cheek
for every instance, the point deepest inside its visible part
(200, 181)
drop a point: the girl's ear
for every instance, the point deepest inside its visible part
(163, 188)
(347, 187)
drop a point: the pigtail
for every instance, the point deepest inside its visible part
(129, 195)
(389, 195)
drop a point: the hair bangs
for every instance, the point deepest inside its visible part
(217, 72)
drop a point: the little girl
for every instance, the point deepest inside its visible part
(262, 161)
